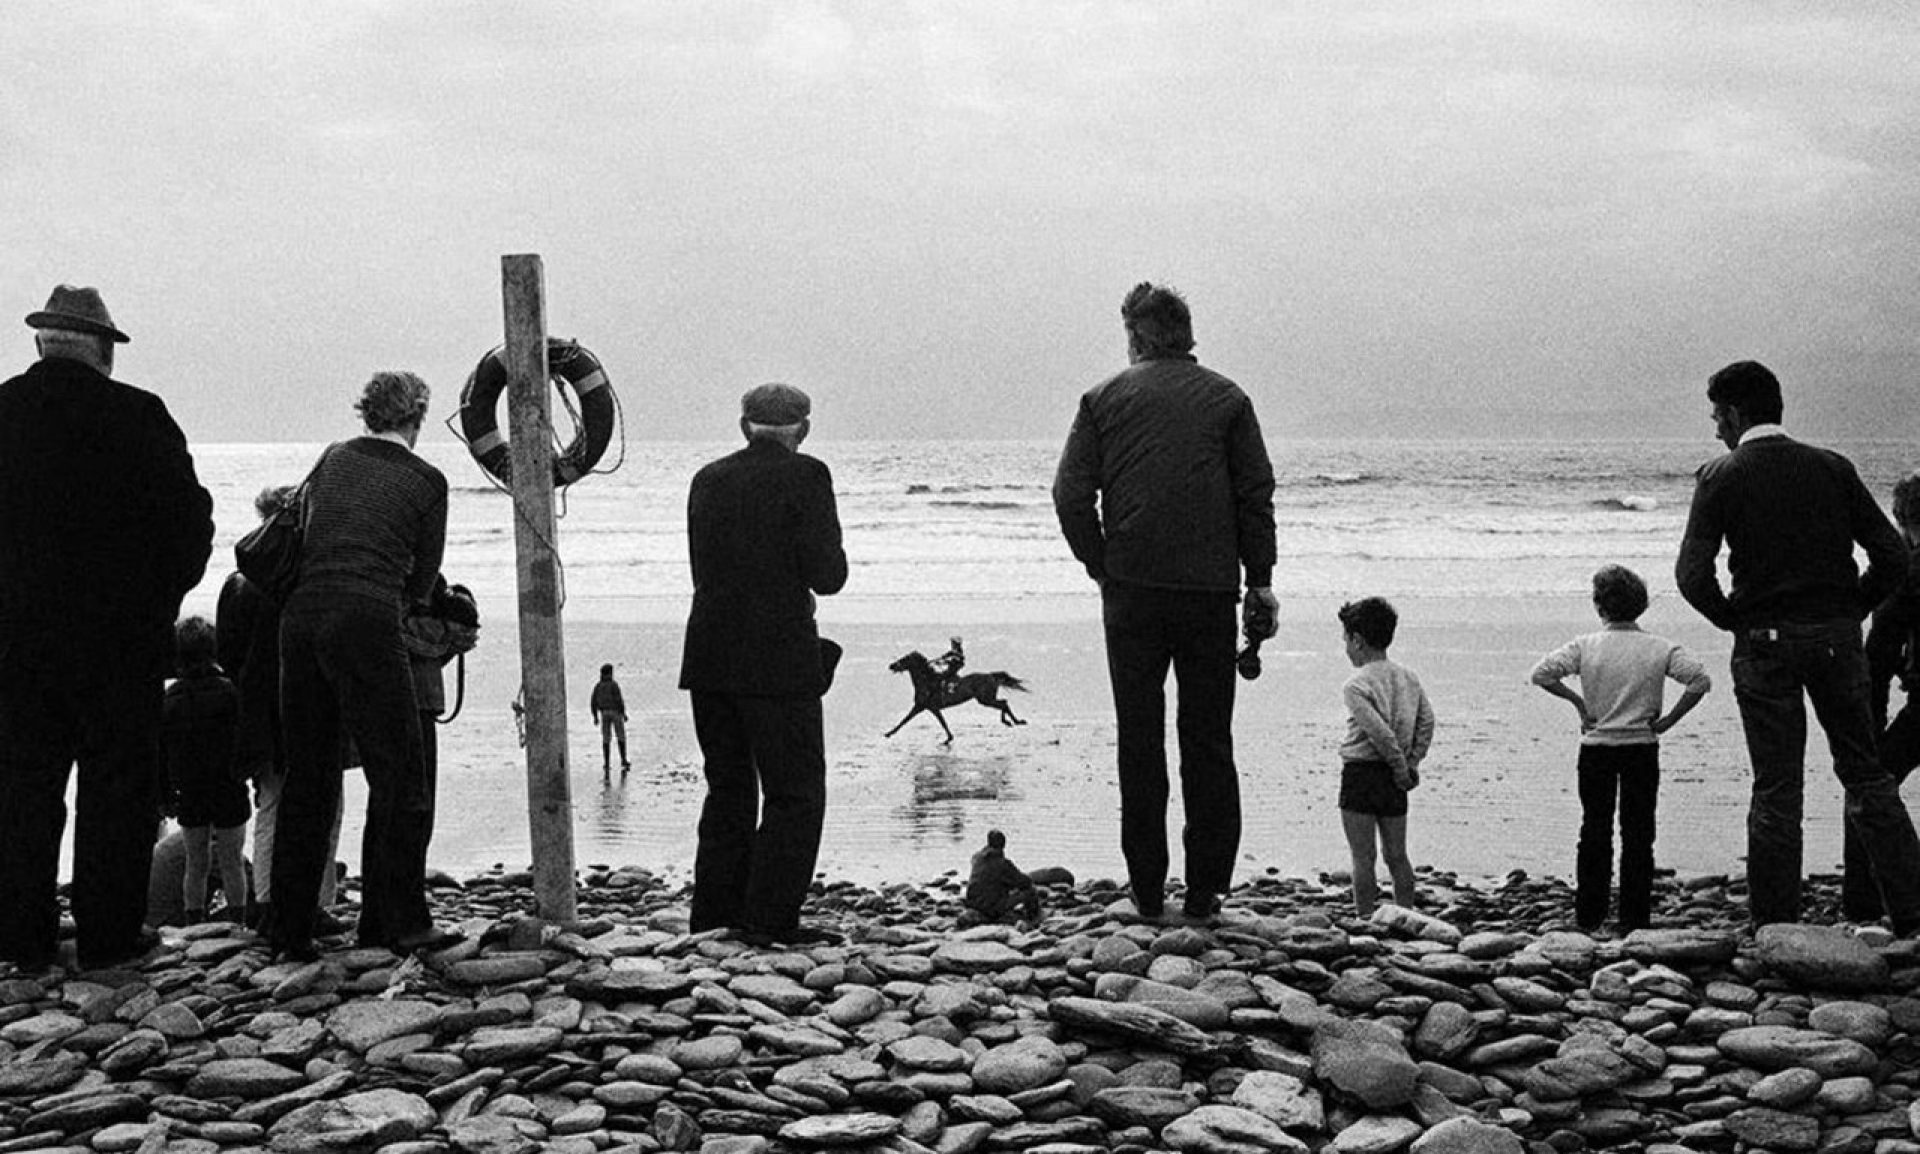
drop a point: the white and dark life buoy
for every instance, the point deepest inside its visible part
(571, 367)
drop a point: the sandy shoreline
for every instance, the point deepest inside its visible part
(1499, 792)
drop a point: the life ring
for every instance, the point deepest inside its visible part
(570, 366)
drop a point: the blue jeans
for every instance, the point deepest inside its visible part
(1149, 630)
(1775, 673)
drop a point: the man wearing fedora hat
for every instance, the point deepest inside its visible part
(764, 538)
(106, 529)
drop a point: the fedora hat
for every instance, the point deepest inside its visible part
(78, 310)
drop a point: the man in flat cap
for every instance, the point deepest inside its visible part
(764, 537)
(106, 528)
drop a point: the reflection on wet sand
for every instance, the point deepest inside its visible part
(942, 785)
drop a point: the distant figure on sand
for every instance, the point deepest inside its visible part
(103, 529)
(199, 766)
(996, 889)
(1389, 728)
(1893, 653)
(610, 714)
(1790, 515)
(763, 534)
(1164, 492)
(1623, 672)
(933, 693)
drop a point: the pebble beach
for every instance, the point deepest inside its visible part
(1479, 1023)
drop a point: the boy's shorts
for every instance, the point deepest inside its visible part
(1367, 787)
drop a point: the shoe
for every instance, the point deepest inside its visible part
(259, 915)
(294, 950)
(793, 936)
(1200, 908)
(112, 957)
(31, 961)
(325, 925)
(432, 939)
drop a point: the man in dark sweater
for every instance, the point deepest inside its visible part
(103, 529)
(1790, 515)
(1164, 493)
(763, 534)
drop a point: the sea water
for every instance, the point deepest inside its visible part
(961, 536)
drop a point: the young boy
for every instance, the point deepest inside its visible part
(199, 718)
(1389, 727)
(1622, 672)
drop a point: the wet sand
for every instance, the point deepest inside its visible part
(1498, 791)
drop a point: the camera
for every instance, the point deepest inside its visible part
(1259, 626)
(455, 603)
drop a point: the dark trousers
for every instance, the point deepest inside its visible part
(1773, 679)
(1899, 755)
(766, 766)
(85, 709)
(1630, 774)
(1148, 630)
(344, 673)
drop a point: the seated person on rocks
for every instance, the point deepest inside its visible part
(996, 889)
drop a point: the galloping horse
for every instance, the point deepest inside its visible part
(931, 693)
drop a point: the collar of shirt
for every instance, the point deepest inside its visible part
(393, 435)
(1758, 431)
(1622, 626)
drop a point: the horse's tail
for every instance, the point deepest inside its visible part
(1001, 677)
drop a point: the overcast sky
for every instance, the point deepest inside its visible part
(926, 213)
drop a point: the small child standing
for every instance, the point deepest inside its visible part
(1622, 671)
(1389, 727)
(200, 718)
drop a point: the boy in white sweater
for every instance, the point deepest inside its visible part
(1623, 672)
(1389, 727)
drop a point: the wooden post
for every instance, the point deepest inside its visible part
(543, 677)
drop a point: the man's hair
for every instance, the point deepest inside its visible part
(788, 435)
(1370, 619)
(392, 400)
(1750, 387)
(193, 642)
(1157, 319)
(274, 498)
(606, 671)
(1906, 499)
(86, 348)
(1618, 593)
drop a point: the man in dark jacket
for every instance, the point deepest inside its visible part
(1790, 515)
(764, 538)
(105, 528)
(1165, 493)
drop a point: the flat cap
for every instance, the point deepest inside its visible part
(775, 404)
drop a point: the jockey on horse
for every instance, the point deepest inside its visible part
(949, 664)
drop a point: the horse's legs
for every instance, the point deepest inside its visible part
(1006, 714)
(911, 714)
(943, 725)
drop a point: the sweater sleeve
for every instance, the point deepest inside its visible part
(1252, 476)
(1687, 669)
(1076, 488)
(1694, 571)
(1366, 714)
(1559, 665)
(1422, 728)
